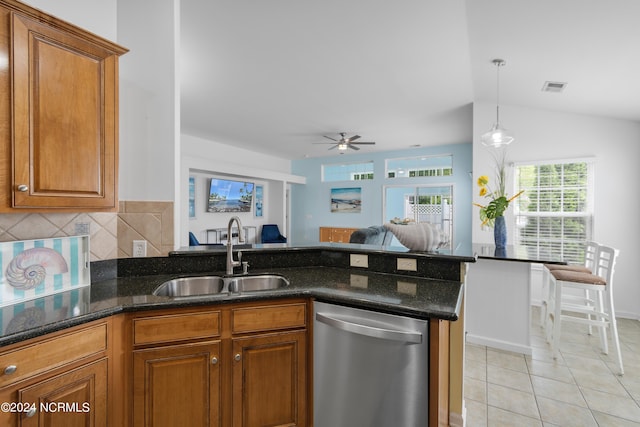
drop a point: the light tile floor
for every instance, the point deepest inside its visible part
(581, 388)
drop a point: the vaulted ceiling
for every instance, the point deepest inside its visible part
(275, 76)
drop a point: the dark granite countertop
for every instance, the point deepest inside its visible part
(434, 291)
(516, 253)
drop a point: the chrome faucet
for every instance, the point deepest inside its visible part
(230, 261)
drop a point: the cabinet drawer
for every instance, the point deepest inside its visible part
(176, 327)
(52, 353)
(268, 318)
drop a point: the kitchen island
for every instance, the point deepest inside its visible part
(498, 297)
(432, 288)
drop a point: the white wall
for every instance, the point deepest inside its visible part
(615, 145)
(97, 16)
(210, 220)
(206, 159)
(149, 99)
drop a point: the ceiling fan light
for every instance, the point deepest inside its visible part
(342, 146)
(497, 137)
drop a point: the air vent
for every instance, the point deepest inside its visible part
(554, 86)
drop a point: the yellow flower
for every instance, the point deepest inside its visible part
(483, 180)
(483, 191)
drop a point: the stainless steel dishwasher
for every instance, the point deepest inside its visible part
(370, 369)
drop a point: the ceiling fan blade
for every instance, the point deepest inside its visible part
(335, 146)
(353, 147)
(328, 137)
(363, 143)
(353, 138)
(322, 143)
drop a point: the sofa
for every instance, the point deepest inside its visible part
(374, 235)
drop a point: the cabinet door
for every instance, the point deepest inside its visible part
(64, 118)
(75, 398)
(342, 235)
(177, 385)
(269, 380)
(325, 234)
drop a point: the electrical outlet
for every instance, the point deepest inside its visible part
(82, 228)
(407, 264)
(139, 248)
(359, 260)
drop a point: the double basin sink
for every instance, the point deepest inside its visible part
(212, 285)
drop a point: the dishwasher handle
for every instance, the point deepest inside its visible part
(411, 337)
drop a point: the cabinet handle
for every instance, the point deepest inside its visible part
(31, 412)
(10, 369)
(214, 360)
(23, 188)
(237, 357)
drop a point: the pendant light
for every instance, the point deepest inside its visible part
(497, 136)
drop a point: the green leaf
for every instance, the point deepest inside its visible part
(497, 207)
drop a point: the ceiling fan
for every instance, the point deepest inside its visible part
(344, 143)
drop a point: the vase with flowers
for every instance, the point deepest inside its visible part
(492, 214)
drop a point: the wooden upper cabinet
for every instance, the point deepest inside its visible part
(62, 153)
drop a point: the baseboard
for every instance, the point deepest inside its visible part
(627, 315)
(458, 420)
(502, 345)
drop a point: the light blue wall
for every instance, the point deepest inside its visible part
(310, 206)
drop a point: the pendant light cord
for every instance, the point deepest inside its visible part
(499, 63)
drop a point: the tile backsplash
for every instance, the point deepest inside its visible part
(111, 234)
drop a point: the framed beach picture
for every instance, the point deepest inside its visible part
(229, 196)
(192, 197)
(346, 200)
(259, 200)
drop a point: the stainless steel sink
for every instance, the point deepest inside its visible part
(261, 282)
(212, 285)
(190, 286)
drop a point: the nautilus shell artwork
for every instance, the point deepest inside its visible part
(419, 236)
(29, 268)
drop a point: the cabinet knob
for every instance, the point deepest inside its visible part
(23, 188)
(214, 360)
(31, 412)
(10, 369)
(237, 357)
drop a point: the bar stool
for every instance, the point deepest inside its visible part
(598, 311)
(590, 256)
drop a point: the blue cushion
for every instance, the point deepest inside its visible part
(271, 234)
(192, 240)
(374, 235)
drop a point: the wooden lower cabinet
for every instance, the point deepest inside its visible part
(242, 365)
(177, 385)
(336, 234)
(269, 380)
(58, 380)
(75, 398)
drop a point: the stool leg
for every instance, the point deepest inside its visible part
(557, 315)
(549, 309)
(614, 332)
(587, 297)
(603, 328)
(544, 303)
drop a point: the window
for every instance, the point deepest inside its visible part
(422, 203)
(554, 216)
(423, 166)
(347, 172)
